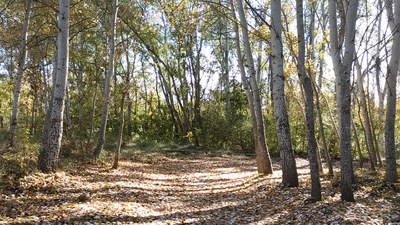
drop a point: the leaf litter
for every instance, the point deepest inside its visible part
(207, 190)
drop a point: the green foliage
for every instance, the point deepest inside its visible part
(215, 125)
(6, 87)
(20, 160)
(270, 132)
(233, 131)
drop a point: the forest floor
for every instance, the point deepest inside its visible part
(191, 190)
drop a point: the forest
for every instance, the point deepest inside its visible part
(199, 112)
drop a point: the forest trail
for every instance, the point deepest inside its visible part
(204, 190)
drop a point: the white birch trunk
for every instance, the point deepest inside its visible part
(390, 147)
(107, 84)
(264, 164)
(365, 115)
(342, 68)
(121, 131)
(309, 105)
(18, 78)
(48, 157)
(289, 170)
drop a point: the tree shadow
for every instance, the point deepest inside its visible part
(193, 191)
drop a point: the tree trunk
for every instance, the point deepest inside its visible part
(18, 78)
(35, 105)
(381, 93)
(67, 111)
(45, 88)
(392, 70)
(225, 71)
(80, 86)
(375, 138)
(289, 170)
(342, 68)
(121, 132)
(264, 165)
(1, 117)
(126, 46)
(317, 85)
(144, 125)
(309, 104)
(196, 67)
(360, 157)
(322, 133)
(107, 85)
(48, 157)
(166, 89)
(92, 114)
(332, 119)
(129, 116)
(50, 107)
(365, 116)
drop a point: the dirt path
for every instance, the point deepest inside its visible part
(217, 190)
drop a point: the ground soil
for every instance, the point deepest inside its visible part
(200, 190)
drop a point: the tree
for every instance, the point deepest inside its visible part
(19, 76)
(264, 164)
(342, 69)
(120, 132)
(317, 85)
(365, 115)
(107, 84)
(309, 104)
(289, 170)
(49, 154)
(392, 70)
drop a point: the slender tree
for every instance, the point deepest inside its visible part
(342, 67)
(107, 84)
(365, 116)
(49, 154)
(289, 170)
(309, 105)
(264, 164)
(392, 70)
(18, 78)
(381, 92)
(317, 85)
(121, 131)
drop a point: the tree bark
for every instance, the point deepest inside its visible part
(322, 133)
(381, 92)
(80, 86)
(126, 45)
(309, 106)
(264, 165)
(45, 88)
(92, 114)
(107, 85)
(392, 70)
(375, 138)
(317, 85)
(18, 78)
(342, 68)
(289, 170)
(35, 105)
(360, 157)
(196, 67)
(365, 116)
(67, 111)
(121, 132)
(49, 154)
(225, 71)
